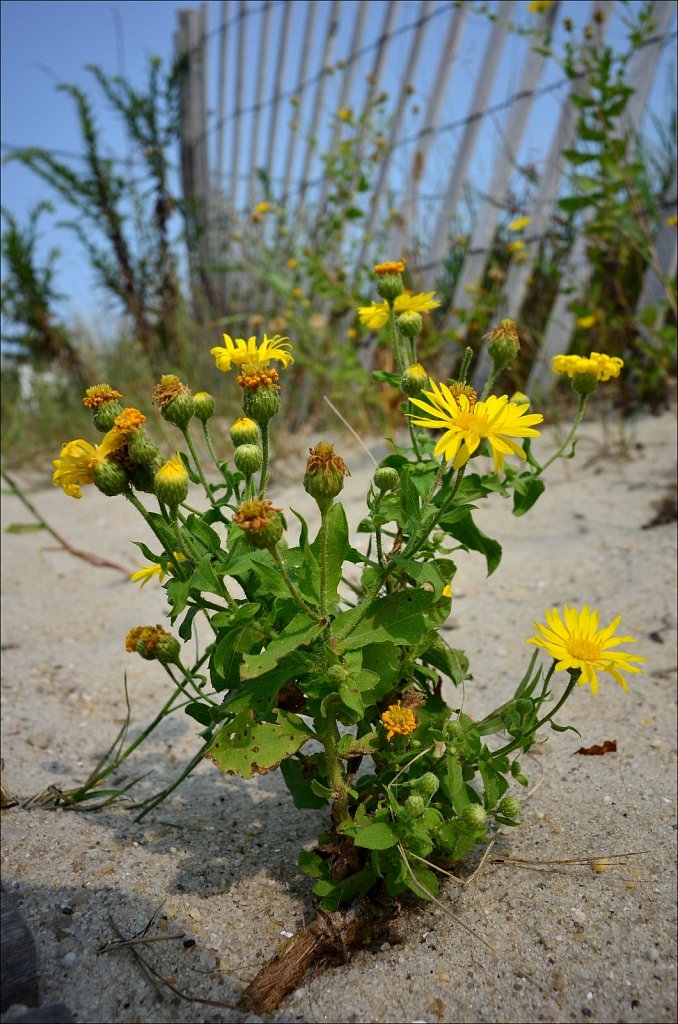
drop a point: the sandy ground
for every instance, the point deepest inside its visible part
(545, 941)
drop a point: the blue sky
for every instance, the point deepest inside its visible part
(44, 43)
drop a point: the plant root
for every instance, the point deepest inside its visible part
(330, 936)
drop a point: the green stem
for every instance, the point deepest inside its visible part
(575, 426)
(143, 512)
(489, 384)
(181, 540)
(189, 677)
(415, 543)
(517, 743)
(323, 562)
(395, 335)
(198, 465)
(263, 430)
(328, 734)
(148, 805)
(298, 599)
(466, 362)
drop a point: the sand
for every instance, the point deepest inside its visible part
(215, 865)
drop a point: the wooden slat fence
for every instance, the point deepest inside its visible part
(309, 61)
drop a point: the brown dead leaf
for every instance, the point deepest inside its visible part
(608, 747)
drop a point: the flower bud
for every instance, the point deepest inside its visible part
(415, 806)
(244, 431)
(413, 380)
(324, 477)
(261, 403)
(410, 323)
(110, 477)
(248, 458)
(519, 398)
(174, 400)
(142, 449)
(474, 816)
(503, 344)
(204, 406)
(386, 478)
(427, 785)
(584, 384)
(143, 477)
(509, 807)
(104, 416)
(153, 643)
(260, 523)
(171, 482)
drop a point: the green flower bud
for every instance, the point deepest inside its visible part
(324, 477)
(110, 477)
(141, 448)
(415, 806)
(386, 478)
(174, 400)
(204, 406)
(427, 785)
(153, 643)
(503, 344)
(410, 323)
(414, 379)
(584, 384)
(262, 403)
(171, 482)
(143, 477)
(389, 286)
(474, 816)
(244, 431)
(248, 458)
(509, 807)
(104, 416)
(260, 523)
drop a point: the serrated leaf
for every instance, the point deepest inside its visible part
(397, 618)
(208, 537)
(299, 632)
(205, 579)
(246, 747)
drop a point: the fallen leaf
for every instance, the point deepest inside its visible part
(608, 747)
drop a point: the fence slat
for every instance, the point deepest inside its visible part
(459, 175)
(221, 98)
(305, 51)
(280, 70)
(238, 96)
(261, 73)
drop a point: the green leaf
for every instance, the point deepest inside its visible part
(439, 654)
(261, 694)
(349, 695)
(299, 632)
(384, 377)
(246, 747)
(312, 864)
(473, 539)
(378, 836)
(524, 499)
(200, 712)
(24, 527)
(177, 594)
(208, 537)
(205, 579)
(570, 204)
(424, 884)
(300, 787)
(398, 618)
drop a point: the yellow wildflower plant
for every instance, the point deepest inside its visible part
(520, 223)
(78, 460)
(247, 355)
(575, 641)
(375, 316)
(466, 426)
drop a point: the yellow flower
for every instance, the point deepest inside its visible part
(672, 221)
(155, 569)
(398, 720)
(249, 357)
(587, 321)
(345, 114)
(78, 460)
(515, 246)
(575, 642)
(390, 267)
(466, 426)
(519, 223)
(447, 590)
(129, 420)
(263, 208)
(597, 365)
(100, 394)
(292, 262)
(537, 6)
(375, 316)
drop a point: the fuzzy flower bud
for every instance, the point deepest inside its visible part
(102, 399)
(261, 403)
(410, 323)
(174, 400)
(325, 472)
(110, 477)
(248, 458)
(415, 806)
(244, 431)
(153, 643)
(503, 344)
(414, 379)
(386, 478)
(142, 476)
(141, 449)
(509, 807)
(260, 522)
(171, 482)
(474, 816)
(389, 279)
(427, 785)
(104, 416)
(204, 406)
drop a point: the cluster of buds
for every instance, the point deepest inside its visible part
(247, 451)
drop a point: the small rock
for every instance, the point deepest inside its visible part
(68, 960)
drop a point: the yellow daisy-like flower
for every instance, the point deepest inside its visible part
(597, 365)
(375, 316)
(576, 642)
(537, 6)
(100, 394)
(587, 321)
(390, 267)
(129, 420)
(466, 426)
(519, 223)
(250, 357)
(155, 569)
(398, 720)
(75, 466)
(516, 246)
